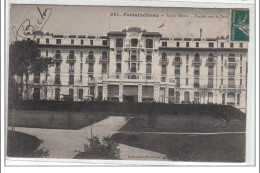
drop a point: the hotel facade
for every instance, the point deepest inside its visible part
(135, 65)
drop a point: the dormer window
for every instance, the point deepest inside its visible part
(119, 42)
(134, 42)
(149, 43)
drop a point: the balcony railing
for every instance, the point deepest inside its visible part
(231, 63)
(198, 62)
(57, 70)
(133, 60)
(57, 58)
(235, 88)
(71, 58)
(103, 59)
(210, 62)
(177, 61)
(164, 61)
(90, 59)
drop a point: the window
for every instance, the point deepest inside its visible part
(91, 42)
(133, 67)
(196, 70)
(187, 69)
(72, 41)
(210, 82)
(134, 42)
(177, 81)
(119, 56)
(104, 68)
(241, 58)
(91, 55)
(231, 82)
(177, 57)
(210, 97)
(47, 53)
(164, 69)
(240, 69)
(58, 54)
(222, 69)
(71, 54)
(211, 44)
(241, 45)
(148, 58)
(57, 67)
(81, 54)
(71, 94)
(104, 42)
(36, 78)
(119, 42)
(57, 94)
(196, 97)
(177, 44)
(149, 43)
(81, 66)
(222, 57)
(81, 94)
(197, 57)
(196, 83)
(231, 44)
(164, 56)
(177, 70)
(57, 79)
(148, 68)
(38, 40)
(241, 82)
(47, 41)
(71, 67)
(81, 42)
(187, 44)
(104, 55)
(177, 97)
(221, 80)
(222, 45)
(71, 79)
(80, 78)
(197, 44)
(118, 68)
(211, 57)
(210, 70)
(36, 94)
(231, 70)
(238, 99)
(187, 57)
(164, 44)
(231, 57)
(58, 41)
(187, 81)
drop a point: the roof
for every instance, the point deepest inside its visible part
(117, 33)
(152, 34)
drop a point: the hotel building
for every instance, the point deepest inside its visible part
(135, 65)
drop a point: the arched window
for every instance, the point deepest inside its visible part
(104, 55)
(71, 54)
(177, 97)
(177, 57)
(197, 57)
(211, 57)
(186, 96)
(231, 97)
(57, 54)
(164, 56)
(134, 42)
(231, 57)
(91, 55)
(149, 43)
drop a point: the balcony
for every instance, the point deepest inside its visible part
(71, 71)
(103, 59)
(57, 58)
(90, 59)
(177, 62)
(164, 61)
(231, 88)
(133, 60)
(197, 62)
(231, 63)
(210, 62)
(71, 58)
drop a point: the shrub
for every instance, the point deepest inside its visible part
(105, 149)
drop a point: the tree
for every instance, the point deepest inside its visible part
(24, 59)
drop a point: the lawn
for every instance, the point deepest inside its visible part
(184, 123)
(24, 145)
(198, 148)
(54, 119)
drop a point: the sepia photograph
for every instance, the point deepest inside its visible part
(127, 83)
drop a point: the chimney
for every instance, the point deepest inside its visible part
(200, 32)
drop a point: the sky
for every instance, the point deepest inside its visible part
(92, 20)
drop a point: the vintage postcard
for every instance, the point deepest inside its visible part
(128, 83)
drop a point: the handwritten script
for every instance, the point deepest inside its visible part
(28, 27)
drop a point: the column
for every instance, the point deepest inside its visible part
(104, 92)
(140, 92)
(121, 92)
(156, 92)
(167, 94)
(96, 91)
(235, 98)
(225, 98)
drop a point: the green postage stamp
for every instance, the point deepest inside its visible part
(239, 25)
